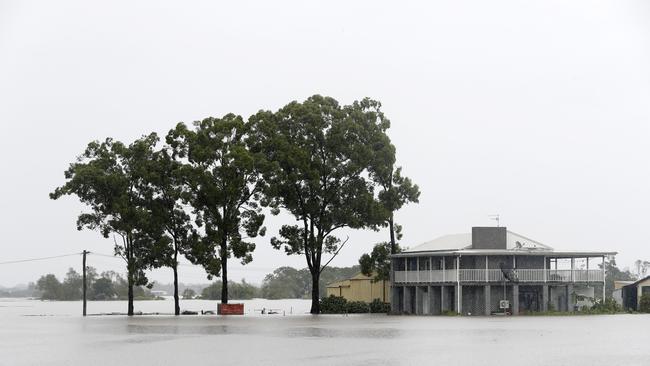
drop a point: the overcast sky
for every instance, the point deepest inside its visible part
(537, 111)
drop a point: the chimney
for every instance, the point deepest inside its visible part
(489, 238)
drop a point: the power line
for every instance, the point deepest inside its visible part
(196, 266)
(39, 259)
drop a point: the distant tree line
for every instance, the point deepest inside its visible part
(283, 283)
(202, 194)
(108, 285)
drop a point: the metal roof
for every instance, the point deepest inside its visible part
(516, 244)
(634, 284)
(549, 253)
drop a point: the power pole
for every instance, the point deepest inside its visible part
(84, 279)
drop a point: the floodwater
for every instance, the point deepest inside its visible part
(54, 333)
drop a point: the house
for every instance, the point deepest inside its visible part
(493, 270)
(628, 293)
(360, 288)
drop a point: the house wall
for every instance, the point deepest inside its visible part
(361, 290)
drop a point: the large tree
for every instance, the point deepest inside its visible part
(395, 191)
(107, 178)
(319, 155)
(223, 186)
(165, 178)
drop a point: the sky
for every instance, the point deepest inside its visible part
(534, 110)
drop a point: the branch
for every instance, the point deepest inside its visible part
(115, 241)
(335, 254)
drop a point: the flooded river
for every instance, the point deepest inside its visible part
(54, 333)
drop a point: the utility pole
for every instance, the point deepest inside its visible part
(84, 279)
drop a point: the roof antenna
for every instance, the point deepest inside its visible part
(495, 217)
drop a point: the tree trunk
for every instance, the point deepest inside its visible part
(130, 304)
(177, 307)
(224, 273)
(391, 227)
(315, 297)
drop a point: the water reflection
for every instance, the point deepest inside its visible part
(320, 332)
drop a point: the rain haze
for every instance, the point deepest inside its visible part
(537, 112)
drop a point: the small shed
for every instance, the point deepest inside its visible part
(360, 288)
(630, 294)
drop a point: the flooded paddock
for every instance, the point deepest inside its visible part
(53, 333)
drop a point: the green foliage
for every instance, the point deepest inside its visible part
(165, 179)
(237, 291)
(108, 179)
(396, 191)
(318, 158)
(102, 289)
(188, 293)
(378, 306)
(71, 287)
(333, 305)
(644, 304)
(110, 286)
(609, 306)
(223, 186)
(357, 307)
(290, 283)
(339, 305)
(50, 287)
(286, 283)
(449, 313)
(377, 263)
(612, 274)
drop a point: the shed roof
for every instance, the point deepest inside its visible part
(634, 284)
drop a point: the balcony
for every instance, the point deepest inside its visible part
(496, 275)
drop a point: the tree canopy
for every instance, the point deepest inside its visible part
(319, 156)
(224, 184)
(107, 177)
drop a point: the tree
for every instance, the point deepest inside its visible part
(102, 289)
(223, 187)
(188, 293)
(319, 156)
(377, 263)
(107, 178)
(212, 292)
(612, 274)
(50, 287)
(641, 268)
(239, 291)
(396, 191)
(644, 303)
(286, 283)
(165, 177)
(71, 287)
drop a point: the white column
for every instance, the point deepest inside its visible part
(603, 278)
(444, 271)
(406, 269)
(572, 266)
(460, 290)
(487, 275)
(544, 269)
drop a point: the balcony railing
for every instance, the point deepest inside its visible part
(496, 275)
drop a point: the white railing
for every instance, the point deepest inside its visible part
(496, 275)
(472, 275)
